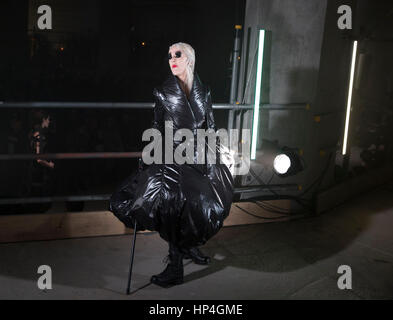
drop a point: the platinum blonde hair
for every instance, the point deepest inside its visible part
(190, 55)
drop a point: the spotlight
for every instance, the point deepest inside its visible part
(281, 163)
(287, 162)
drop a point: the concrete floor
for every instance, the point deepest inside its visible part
(284, 260)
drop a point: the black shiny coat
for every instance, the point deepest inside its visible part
(185, 203)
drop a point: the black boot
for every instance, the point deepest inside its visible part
(174, 272)
(196, 255)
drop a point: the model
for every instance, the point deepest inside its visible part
(186, 203)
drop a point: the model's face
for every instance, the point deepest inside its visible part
(177, 61)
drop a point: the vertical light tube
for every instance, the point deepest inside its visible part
(349, 101)
(261, 45)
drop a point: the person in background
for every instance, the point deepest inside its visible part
(41, 170)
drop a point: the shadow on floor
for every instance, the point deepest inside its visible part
(273, 247)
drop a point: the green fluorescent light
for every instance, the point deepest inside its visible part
(349, 101)
(257, 94)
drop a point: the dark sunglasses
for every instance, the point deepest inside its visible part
(177, 55)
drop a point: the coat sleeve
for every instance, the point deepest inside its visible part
(158, 120)
(211, 125)
(159, 115)
(209, 111)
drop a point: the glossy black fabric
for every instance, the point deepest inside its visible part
(185, 203)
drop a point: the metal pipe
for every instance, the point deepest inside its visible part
(235, 71)
(98, 197)
(289, 106)
(226, 106)
(104, 197)
(235, 64)
(78, 105)
(139, 105)
(272, 187)
(81, 155)
(102, 105)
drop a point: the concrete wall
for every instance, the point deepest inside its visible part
(371, 124)
(291, 67)
(296, 29)
(307, 63)
(332, 91)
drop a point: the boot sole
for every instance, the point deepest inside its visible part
(169, 284)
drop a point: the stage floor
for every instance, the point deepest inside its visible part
(296, 259)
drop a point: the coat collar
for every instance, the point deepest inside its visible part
(172, 83)
(195, 103)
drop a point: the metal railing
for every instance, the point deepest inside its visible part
(105, 197)
(70, 155)
(112, 155)
(107, 105)
(140, 105)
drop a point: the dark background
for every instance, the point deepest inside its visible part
(100, 51)
(95, 51)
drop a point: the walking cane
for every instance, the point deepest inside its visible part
(132, 260)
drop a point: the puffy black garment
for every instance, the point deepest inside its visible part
(185, 203)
